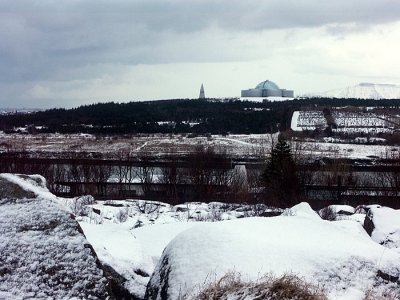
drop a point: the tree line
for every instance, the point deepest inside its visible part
(176, 116)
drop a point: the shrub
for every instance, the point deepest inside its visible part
(79, 205)
(147, 207)
(122, 215)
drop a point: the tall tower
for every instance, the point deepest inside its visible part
(202, 96)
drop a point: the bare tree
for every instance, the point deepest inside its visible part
(208, 173)
(145, 174)
(172, 177)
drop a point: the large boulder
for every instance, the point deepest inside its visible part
(128, 266)
(338, 256)
(383, 225)
(43, 252)
(340, 212)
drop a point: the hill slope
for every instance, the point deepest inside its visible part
(366, 91)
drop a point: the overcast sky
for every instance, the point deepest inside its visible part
(65, 53)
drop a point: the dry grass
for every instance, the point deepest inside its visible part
(232, 287)
(293, 287)
(228, 284)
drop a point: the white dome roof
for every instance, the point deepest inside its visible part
(267, 85)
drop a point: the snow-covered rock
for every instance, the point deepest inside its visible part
(44, 255)
(338, 256)
(118, 249)
(343, 209)
(383, 224)
(18, 186)
(301, 210)
(43, 251)
(337, 212)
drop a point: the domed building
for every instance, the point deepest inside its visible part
(267, 88)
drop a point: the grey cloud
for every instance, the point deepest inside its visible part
(192, 15)
(244, 15)
(68, 28)
(78, 39)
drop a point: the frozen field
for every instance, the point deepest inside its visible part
(157, 144)
(254, 145)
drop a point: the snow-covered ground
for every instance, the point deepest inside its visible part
(320, 247)
(55, 145)
(253, 145)
(200, 241)
(339, 256)
(355, 151)
(131, 235)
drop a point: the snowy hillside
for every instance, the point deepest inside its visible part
(365, 91)
(346, 122)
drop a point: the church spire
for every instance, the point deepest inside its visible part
(202, 96)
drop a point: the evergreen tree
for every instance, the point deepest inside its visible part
(280, 177)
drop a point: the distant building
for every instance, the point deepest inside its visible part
(202, 95)
(267, 88)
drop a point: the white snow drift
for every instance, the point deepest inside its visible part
(338, 256)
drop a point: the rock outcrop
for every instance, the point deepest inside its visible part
(383, 225)
(43, 252)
